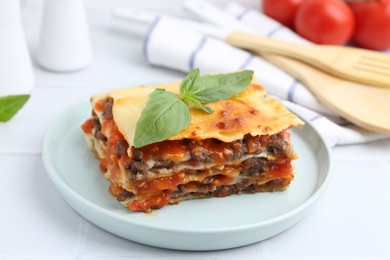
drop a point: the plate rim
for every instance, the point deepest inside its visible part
(65, 188)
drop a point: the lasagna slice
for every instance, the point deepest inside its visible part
(242, 147)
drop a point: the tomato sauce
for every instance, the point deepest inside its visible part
(173, 150)
(156, 202)
(98, 106)
(155, 193)
(158, 184)
(280, 169)
(87, 126)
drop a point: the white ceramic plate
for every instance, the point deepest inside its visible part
(207, 224)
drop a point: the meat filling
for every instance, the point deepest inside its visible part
(193, 169)
(199, 152)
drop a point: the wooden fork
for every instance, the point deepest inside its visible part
(353, 64)
(364, 105)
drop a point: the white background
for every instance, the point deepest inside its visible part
(351, 220)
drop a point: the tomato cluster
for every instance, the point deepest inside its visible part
(365, 22)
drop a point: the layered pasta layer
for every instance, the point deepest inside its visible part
(171, 171)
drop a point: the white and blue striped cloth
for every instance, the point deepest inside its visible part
(172, 45)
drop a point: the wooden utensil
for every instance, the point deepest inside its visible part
(364, 105)
(354, 64)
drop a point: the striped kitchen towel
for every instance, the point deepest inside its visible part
(173, 45)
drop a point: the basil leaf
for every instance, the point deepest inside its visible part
(189, 99)
(164, 115)
(10, 105)
(209, 88)
(188, 82)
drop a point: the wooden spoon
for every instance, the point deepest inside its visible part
(363, 105)
(354, 64)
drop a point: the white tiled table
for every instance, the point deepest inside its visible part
(351, 220)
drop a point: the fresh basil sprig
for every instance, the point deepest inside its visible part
(10, 105)
(166, 114)
(213, 87)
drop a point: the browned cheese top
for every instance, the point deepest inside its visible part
(252, 111)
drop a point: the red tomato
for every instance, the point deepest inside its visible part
(372, 24)
(325, 21)
(282, 11)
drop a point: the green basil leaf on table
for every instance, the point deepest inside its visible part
(10, 105)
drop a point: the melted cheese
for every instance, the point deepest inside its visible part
(253, 111)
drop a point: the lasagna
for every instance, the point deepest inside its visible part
(242, 147)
